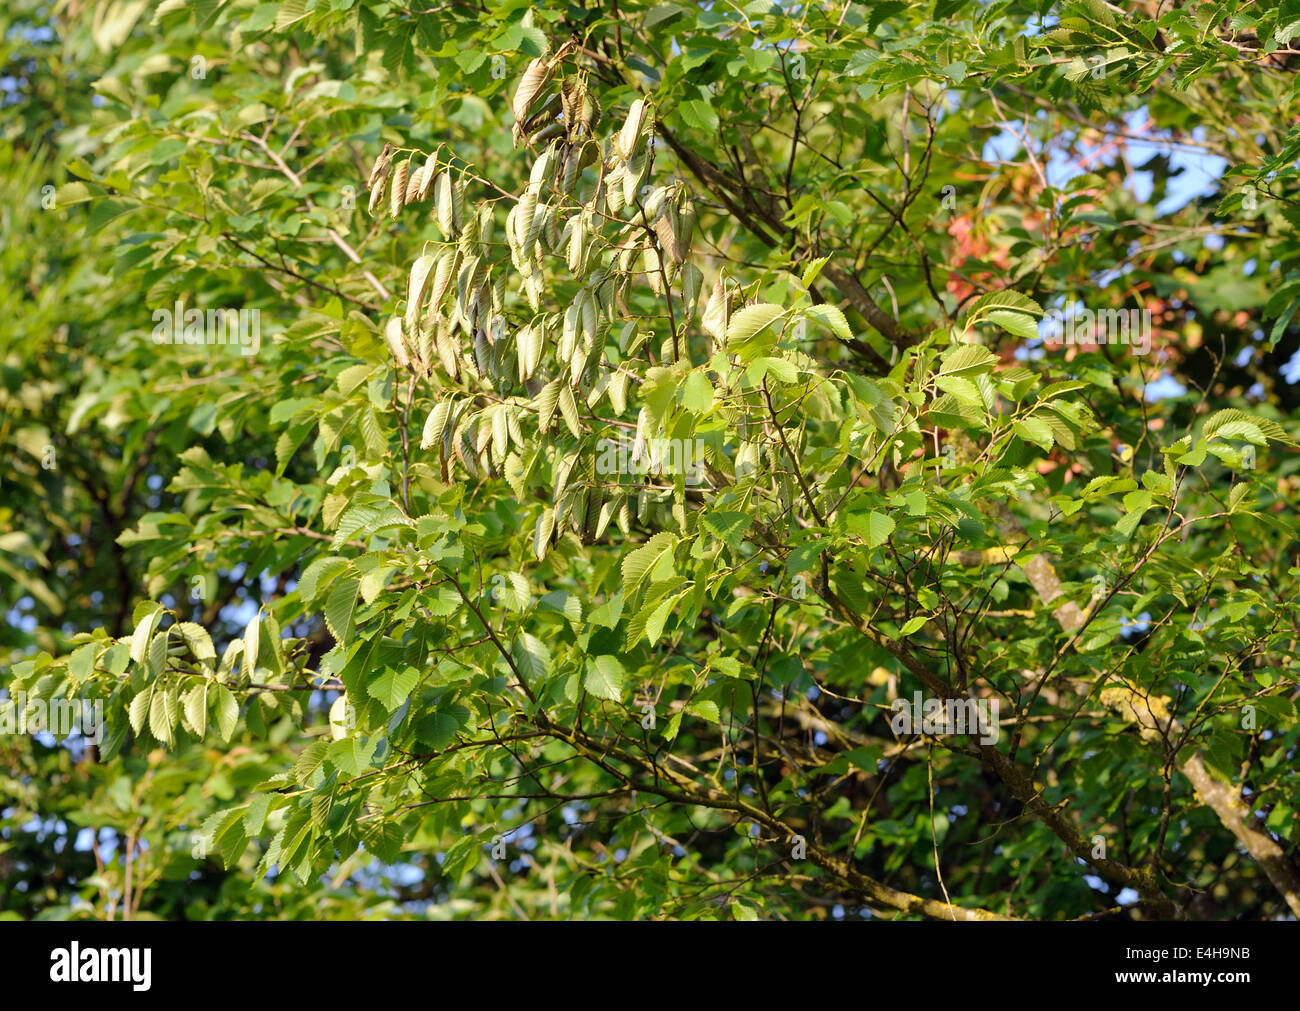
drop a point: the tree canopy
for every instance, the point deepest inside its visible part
(482, 459)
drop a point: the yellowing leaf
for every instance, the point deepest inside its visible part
(415, 288)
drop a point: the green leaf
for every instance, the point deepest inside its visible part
(196, 708)
(1007, 299)
(144, 630)
(162, 715)
(393, 687)
(139, 709)
(198, 640)
(165, 151)
(605, 678)
(1137, 503)
(383, 838)
(653, 560)
(227, 711)
(705, 710)
(156, 660)
(813, 271)
(353, 755)
(340, 607)
(879, 527)
(81, 665)
(1015, 323)
(569, 410)
(760, 367)
(461, 858)
(649, 622)
(729, 527)
(252, 642)
(967, 359)
(1224, 423)
(531, 657)
(699, 115)
(832, 318)
(438, 728)
(961, 388)
(750, 333)
(511, 591)
(290, 11)
(913, 624)
(697, 392)
(1195, 455)
(1034, 430)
